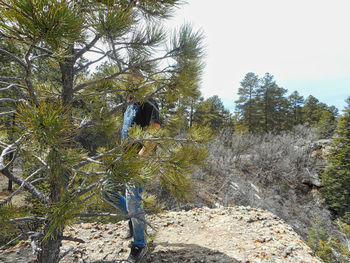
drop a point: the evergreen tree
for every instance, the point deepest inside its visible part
(212, 113)
(328, 247)
(327, 122)
(263, 107)
(336, 178)
(296, 103)
(180, 113)
(312, 111)
(272, 104)
(59, 100)
(246, 105)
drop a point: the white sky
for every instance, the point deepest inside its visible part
(305, 44)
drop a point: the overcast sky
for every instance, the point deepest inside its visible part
(305, 44)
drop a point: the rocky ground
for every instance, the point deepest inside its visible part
(237, 234)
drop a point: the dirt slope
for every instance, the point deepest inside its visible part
(238, 234)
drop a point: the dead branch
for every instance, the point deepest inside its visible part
(92, 159)
(27, 218)
(21, 186)
(7, 113)
(28, 186)
(15, 58)
(34, 238)
(74, 239)
(16, 238)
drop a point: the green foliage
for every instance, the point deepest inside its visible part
(296, 103)
(9, 231)
(336, 178)
(211, 113)
(246, 106)
(263, 107)
(47, 123)
(328, 247)
(326, 124)
(54, 22)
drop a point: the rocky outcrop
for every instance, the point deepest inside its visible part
(237, 234)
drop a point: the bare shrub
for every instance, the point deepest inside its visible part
(265, 171)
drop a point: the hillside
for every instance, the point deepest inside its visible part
(237, 234)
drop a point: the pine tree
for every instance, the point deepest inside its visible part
(212, 113)
(328, 247)
(336, 178)
(327, 122)
(59, 100)
(272, 104)
(296, 102)
(246, 105)
(312, 111)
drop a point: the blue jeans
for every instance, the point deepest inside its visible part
(129, 205)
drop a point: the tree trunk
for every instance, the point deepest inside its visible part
(67, 71)
(191, 114)
(50, 247)
(67, 81)
(9, 186)
(50, 250)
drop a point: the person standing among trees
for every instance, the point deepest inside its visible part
(145, 115)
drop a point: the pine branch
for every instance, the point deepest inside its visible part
(92, 159)
(135, 215)
(40, 56)
(105, 214)
(3, 145)
(124, 71)
(17, 237)
(11, 78)
(6, 113)
(39, 159)
(27, 218)
(88, 173)
(90, 63)
(6, 108)
(28, 186)
(80, 192)
(10, 85)
(99, 93)
(89, 83)
(11, 241)
(74, 239)
(117, 108)
(9, 100)
(7, 151)
(163, 139)
(87, 47)
(129, 216)
(38, 180)
(21, 186)
(90, 196)
(82, 184)
(15, 58)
